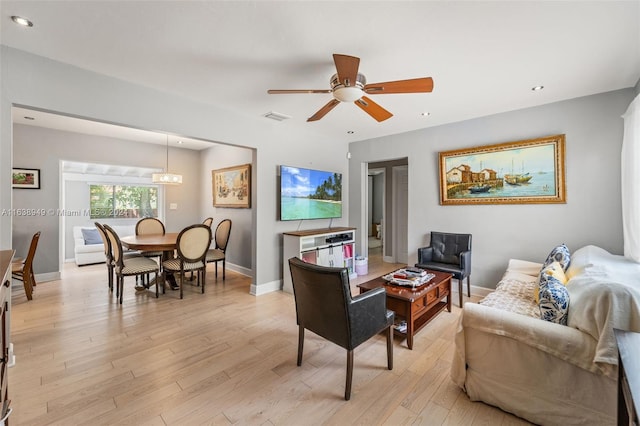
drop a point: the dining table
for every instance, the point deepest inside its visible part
(166, 243)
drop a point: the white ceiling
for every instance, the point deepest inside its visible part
(484, 57)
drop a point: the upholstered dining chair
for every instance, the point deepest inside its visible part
(150, 225)
(324, 305)
(208, 221)
(123, 267)
(22, 269)
(218, 253)
(192, 245)
(450, 253)
(107, 254)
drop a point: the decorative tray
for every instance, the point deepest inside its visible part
(409, 277)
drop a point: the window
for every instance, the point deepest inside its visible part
(123, 201)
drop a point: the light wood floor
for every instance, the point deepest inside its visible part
(224, 357)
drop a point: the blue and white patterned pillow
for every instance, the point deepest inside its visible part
(559, 254)
(554, 300)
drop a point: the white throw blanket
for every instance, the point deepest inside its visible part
(604, 292)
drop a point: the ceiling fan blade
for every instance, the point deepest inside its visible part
(373, 109)
(324, 110)
(416, 85)
(284, 92)
(347, 67)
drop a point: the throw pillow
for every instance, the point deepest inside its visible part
(554, 300)
(559, 254)
(91, 236)
(555, 270)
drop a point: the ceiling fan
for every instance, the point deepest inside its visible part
(348, 85)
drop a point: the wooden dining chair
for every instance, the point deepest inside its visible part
(208, 221)
(123, 267)
(22, 269)
(192, 245)
(218, 253)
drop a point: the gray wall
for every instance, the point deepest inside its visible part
(40, 148)
(592, 214)
(240, 242)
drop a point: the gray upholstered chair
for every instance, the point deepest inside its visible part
(192, 245)
(451, 253)
(324, 306)
(124, 267)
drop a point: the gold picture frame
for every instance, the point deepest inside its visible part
(523, 172)
(231, 187)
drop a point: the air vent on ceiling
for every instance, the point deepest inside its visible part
(276, 116)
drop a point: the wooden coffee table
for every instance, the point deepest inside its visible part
(416, 306)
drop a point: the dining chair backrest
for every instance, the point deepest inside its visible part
(116, 245)
(208, 221)
(105, 241)
(193, 243)
(223, 230)
(28, 262)
(149, 225)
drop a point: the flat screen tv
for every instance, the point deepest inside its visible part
(309, 194)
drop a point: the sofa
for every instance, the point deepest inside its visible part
(548, 373)
(88, 247)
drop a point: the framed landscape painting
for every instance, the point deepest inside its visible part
(26, 178)
(522, 172)
(232, 187)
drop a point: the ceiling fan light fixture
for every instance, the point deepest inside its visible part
(347, 94)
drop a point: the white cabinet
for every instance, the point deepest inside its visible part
(328, 247)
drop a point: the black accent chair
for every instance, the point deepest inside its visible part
(448, 253)
(324, 306)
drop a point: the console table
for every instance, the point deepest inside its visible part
(326, 247)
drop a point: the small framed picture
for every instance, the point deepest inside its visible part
(26, 178)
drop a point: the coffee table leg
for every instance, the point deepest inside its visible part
(410, 334)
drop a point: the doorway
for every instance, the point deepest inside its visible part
(387, 210)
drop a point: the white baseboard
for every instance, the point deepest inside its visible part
(265, 288)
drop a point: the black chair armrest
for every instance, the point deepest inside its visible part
(367, 315)
(465, 261)
(425, 254)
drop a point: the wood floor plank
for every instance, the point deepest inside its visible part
(220, 358)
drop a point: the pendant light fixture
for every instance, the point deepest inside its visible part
(166, 178)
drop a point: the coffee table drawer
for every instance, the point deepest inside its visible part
(443, 289)
(425, 300)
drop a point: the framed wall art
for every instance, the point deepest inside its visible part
(26, 178)
(232, 187)
(522, 172)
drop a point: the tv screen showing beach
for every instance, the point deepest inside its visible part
(309, 194)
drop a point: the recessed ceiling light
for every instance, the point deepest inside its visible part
(179, 142)
(28, 118)
(22, 21)
(537, 88)
(350, 132)
(426, 114)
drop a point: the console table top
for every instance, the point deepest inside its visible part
(307, 232)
